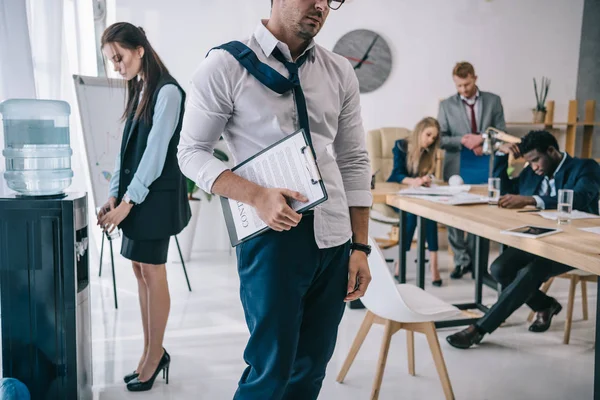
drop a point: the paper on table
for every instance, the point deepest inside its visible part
(435, 190)
(595, 229)
(575, 214)
(455, 200)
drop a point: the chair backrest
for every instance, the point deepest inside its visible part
(380, 143)
(382, 292)
(402, 303)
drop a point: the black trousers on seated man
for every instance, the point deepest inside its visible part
(521, 274)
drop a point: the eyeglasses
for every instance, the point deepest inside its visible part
(335, 4)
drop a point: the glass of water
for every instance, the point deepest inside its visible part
(493, 191)
(565, 206)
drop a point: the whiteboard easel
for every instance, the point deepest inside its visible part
(101, 103)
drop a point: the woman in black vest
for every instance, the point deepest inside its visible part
(147, 197)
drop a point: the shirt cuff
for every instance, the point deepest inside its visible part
(539, 203)
(209, 173)
(113, 187)
(359, 198)
(137, 191)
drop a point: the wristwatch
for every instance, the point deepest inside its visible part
(365, 248)
(128, 200)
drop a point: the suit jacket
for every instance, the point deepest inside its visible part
(580, 175)
(400, 170)
(166, 210)
(454, 123)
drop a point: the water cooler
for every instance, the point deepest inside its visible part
(44, 294)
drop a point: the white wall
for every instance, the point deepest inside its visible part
(508, 41)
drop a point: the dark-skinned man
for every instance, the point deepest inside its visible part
(521, 273)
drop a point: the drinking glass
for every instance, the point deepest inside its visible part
(565, 206)
(493, 191)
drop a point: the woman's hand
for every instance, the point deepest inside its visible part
(113, 218)
(108, 206)
(423, 181)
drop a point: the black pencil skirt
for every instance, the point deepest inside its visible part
(145, 251)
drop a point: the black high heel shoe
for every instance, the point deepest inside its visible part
(129, 377)
(136, 385)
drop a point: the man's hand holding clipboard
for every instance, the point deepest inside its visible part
(273, 207)
(282, 181)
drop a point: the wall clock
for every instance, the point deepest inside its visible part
(370, 56)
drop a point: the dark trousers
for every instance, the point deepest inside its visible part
(463, 249)
(431, 231)
(521, 274)
(293, 298)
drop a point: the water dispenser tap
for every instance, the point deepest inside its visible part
(81, 248)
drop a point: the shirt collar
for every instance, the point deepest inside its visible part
(564, 157)
(473, 99)
(267, 42)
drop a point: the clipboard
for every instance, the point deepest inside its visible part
(288, 163)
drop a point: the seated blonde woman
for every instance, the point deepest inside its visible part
(414, 162)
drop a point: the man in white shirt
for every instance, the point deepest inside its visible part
(463, 117)
(295, 278)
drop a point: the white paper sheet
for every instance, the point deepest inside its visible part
(595, 229)
(575, 214)
(434, 190)
(288, 164)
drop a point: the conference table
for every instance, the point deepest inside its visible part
(573, 247)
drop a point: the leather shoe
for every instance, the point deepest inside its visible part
(465, 338)
(460, 270)
(543, 318)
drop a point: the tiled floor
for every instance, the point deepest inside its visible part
(206, 336)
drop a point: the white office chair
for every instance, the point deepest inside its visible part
(399, 307)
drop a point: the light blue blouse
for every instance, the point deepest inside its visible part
(164, 123)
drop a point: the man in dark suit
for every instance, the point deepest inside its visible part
(521, 273)
(462, 118)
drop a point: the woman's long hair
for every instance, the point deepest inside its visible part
(421, 162)
(131, 37)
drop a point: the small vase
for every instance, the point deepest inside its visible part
(539, 117)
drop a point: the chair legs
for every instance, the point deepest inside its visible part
(572, 288)
(584, 302)
(410, 350)
(385, 347)
(438, 358)
(358, 341)
(391, 327)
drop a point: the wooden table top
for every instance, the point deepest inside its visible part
(573, 247)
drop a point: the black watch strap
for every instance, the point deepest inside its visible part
(365, 248)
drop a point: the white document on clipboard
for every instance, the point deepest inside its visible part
(288, 164)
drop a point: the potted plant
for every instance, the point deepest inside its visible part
(539, 112)
(186, 237)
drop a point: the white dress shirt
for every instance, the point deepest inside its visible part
(225, 99)
(473, 100)
(548, 186)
